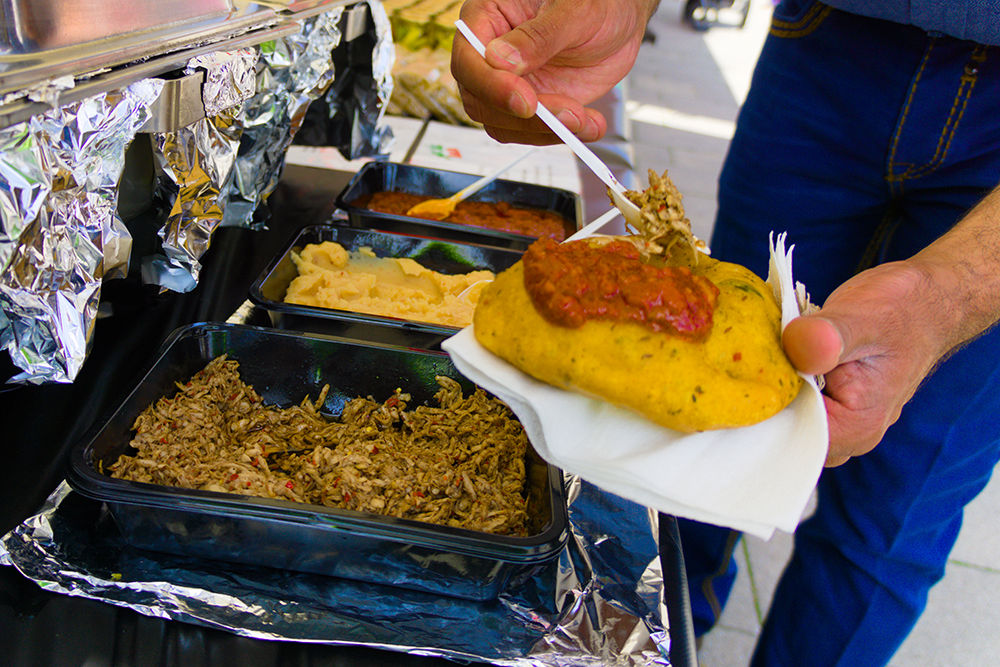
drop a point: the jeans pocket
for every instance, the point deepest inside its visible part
(797, 18)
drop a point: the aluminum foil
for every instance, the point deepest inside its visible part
(293, 72)
(24, 171)
(230, 78)
(374, 100)
(60, 233)
(195, 165)
(350, 114)
(599, 603)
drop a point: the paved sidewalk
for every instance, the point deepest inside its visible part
(682, 99)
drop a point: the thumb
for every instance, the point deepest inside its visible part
(814, 344)
(530, 45)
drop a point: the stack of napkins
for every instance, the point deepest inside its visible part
(753, 479)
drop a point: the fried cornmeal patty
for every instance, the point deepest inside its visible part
(734, 376)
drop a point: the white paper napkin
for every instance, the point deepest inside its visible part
(753, 479)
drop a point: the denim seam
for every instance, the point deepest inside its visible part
(949, 129)
(793, 25)
(815, 22)
(944, 140)
(892, 179)
(964, 93)
(880, 239)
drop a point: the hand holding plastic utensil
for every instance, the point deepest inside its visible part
(601, 170)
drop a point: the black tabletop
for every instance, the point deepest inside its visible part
(41, 423)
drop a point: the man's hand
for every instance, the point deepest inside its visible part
(564, 53)
(882, 332)
(874, 345)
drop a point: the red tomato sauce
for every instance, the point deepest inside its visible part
(574, 282)
(502, 216)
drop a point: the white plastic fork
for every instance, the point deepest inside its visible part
(591, 228)
(601, 170)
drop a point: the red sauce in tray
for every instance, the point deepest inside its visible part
(572, 282)
(501, 216)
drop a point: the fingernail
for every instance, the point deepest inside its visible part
(570, 120)
(836, 330)
(519, 105)
(507, 52)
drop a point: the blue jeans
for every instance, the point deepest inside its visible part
(864, 140)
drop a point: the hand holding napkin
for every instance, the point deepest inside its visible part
(753, 479)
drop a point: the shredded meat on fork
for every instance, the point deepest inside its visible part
(663, 228)
(460, 464)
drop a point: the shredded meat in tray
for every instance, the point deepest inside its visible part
(460, 464)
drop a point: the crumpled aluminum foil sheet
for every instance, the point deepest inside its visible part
(230, 78)
(48, 91)
(60, 233)
(599, 603)
(355, 105)
(373, 101)
(293, 71)
(195, 165)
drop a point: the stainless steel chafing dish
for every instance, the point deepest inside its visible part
(205, 94)
(106, 44)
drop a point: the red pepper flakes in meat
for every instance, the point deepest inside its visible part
(369, 459)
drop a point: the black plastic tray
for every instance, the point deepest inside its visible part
(284, 367)
(268, 291)
(379, 176)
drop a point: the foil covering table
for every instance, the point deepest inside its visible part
(599, 603)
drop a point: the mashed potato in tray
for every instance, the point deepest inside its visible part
(359, 281)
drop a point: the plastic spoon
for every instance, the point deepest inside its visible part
(439, 209)
(601, 170)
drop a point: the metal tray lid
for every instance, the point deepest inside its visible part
(106, 44)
